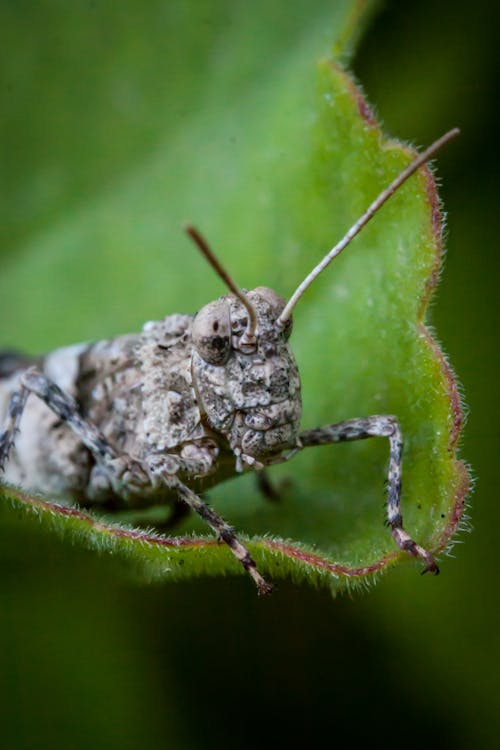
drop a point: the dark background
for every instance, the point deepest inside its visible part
(91, 660)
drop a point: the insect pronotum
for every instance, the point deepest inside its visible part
(162, 415)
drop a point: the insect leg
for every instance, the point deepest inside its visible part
(177, 514)
(121, 470)
(266, 487)
(223, 531)
(378, 426)
(15, 411)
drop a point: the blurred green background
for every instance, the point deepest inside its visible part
(89, 659)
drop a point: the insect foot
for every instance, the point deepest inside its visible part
(120, 475)
(405, 542)
(387, 427)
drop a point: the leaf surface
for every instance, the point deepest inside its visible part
(273, 155)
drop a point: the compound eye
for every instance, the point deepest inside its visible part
(212, 332)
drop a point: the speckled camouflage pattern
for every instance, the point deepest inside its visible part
(154, 398)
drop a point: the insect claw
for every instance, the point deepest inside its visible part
(431, 567)
(264, 588)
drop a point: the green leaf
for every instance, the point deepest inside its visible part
(233, 125)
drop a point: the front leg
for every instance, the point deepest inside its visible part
(223, 531)
(127, 477)
(377, 426)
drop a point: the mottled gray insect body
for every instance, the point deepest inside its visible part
(189, 402)
(153, 397)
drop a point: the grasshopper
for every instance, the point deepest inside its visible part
(163, 415)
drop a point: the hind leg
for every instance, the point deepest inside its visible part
(121, 473)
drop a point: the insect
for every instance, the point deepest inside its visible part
(163, 415)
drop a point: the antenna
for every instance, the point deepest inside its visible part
(363, 220)
(248, 338)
